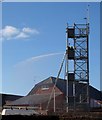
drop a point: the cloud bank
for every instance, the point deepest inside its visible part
(11, 32)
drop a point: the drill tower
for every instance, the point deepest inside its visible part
(77, 54)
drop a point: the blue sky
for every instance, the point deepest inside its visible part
(31, 30)
(52, 1)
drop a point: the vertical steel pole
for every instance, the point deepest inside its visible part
(74, 91)
(88, 99)
(54, 101)
(67, 68)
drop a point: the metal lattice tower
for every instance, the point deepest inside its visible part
(77, 53)
(76, 59)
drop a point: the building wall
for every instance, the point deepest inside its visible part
(46, 89)
(59, 104)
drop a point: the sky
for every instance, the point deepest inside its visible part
(33, 41)
(51, 0)
(0, 50)
(100, 47)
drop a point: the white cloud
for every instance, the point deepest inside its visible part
(42, 56)
(30, 31)
(22, 35)
(36, 58)
(11, 32)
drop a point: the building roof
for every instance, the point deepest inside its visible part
(33, 99)
(61, 84)
(49, 81)
(8, 97)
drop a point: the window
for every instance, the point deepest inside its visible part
(45, 87)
